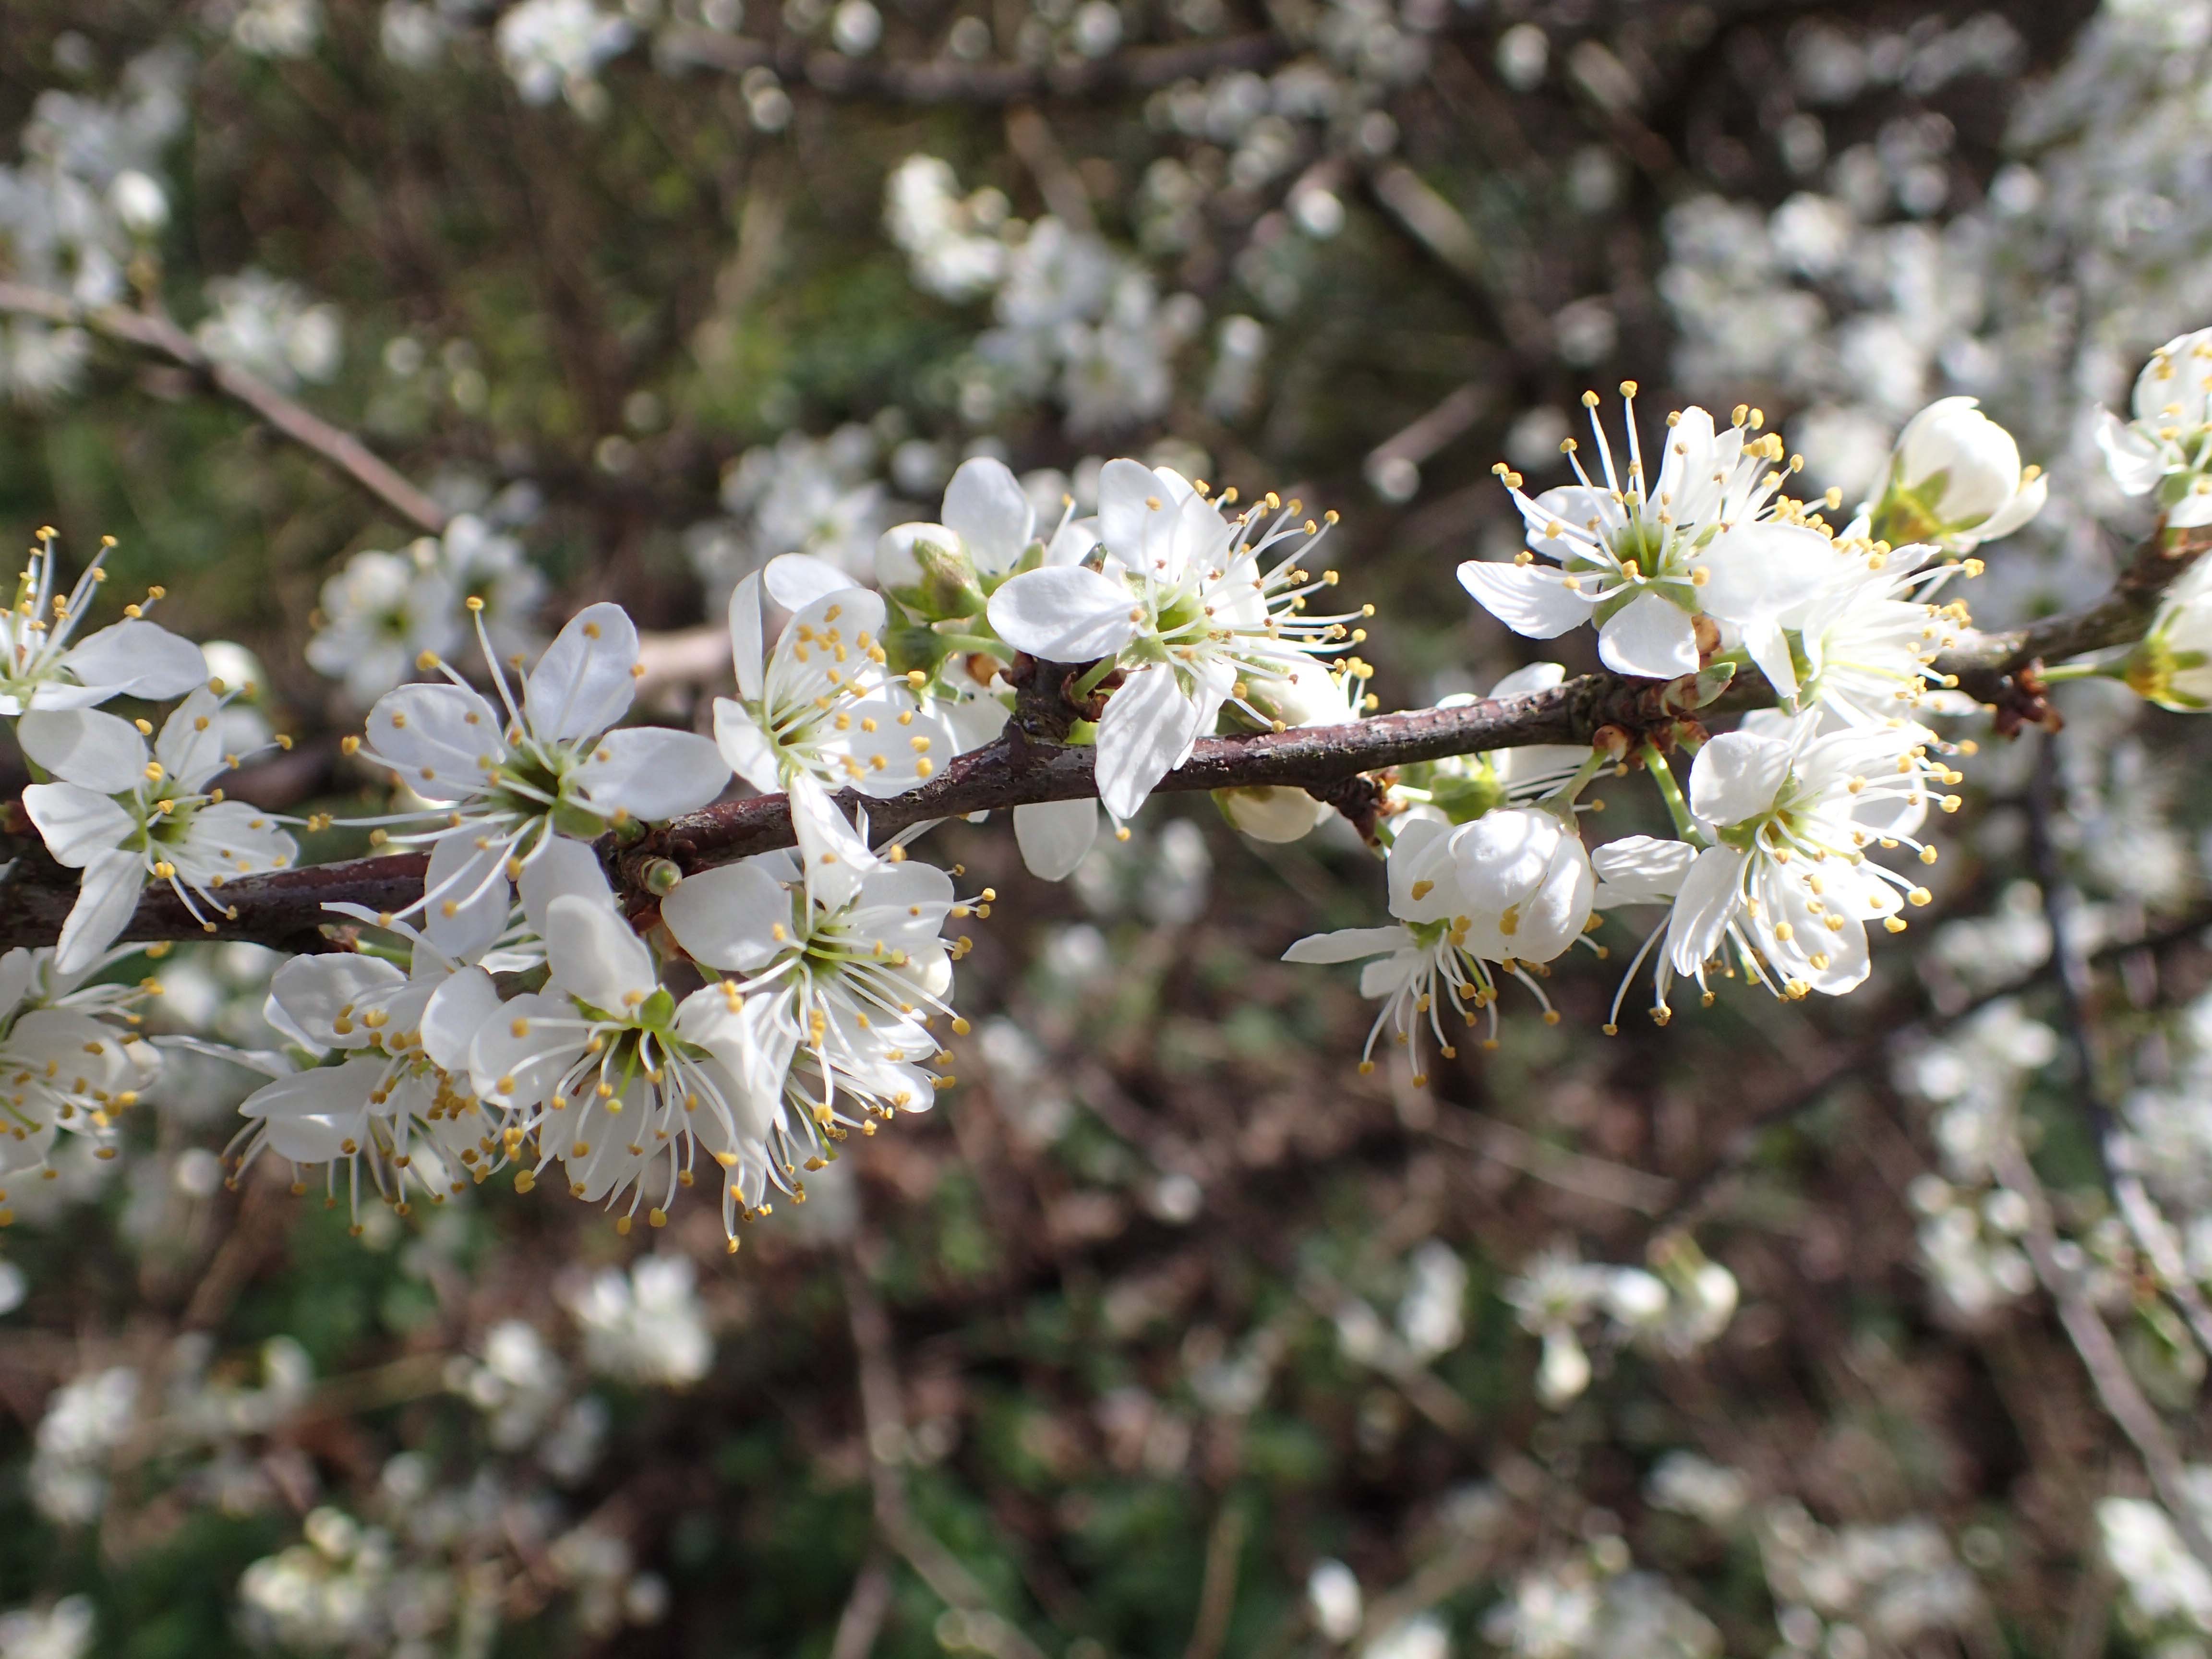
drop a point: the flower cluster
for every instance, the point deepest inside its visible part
(1703, 573)
(382, 611)
(522, 1012)
(549, 1037)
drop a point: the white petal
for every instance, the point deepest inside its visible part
(1126, 492)
(730, 917)
(1533, 600)
(1708, 898)
(1651, 636)
(2194, 508)
(1536, 677)
(75, 1050)
(230, 838)
(85, 747)
(526, 1046)
(1640, 869)
(112, 882)
(77, 824)
(312, 1116)
(910, 753)
(1388, 976)
(138, 659)
(1768, 647)
(1064, 613)
(189, 746)
(1347, 944)
(1761, 571)
(832, 853)
(583, 683)
(1585, 517)
(594, 956)
(470, 879)
(1421, 857)
(986, 505)
(1553, 916)
(1502, 856)
(1689, 466)
(1071, 541)
(1149, 723)
(19, 974)
(561, 869)
(653, 773)
(442, 739)
(2024, 506)
(795, 580)
(1054, 836)
(1735, 776)
(745, 746)
(748, 649)
(2136, 463)
(308, 995)
(457, 1010)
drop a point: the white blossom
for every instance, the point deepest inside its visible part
(391, 1100)
(2167, 447)
(821, 703)
(953, 242)
(1780, 875)
(1955, 480)
(41, 669)
(269, 327)
(647, 1326)
(839, 973)
(553, 48)
(1512, 888)
(121, 812)
(1711, 540)
(506, 782)
(384, 613)
(1183, 609)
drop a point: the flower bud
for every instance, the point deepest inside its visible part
(2172, 665)
(925, 567)
(1955, 479)
(1309, 695)
(1267, 812)
(1564, 1370)
(141, 203)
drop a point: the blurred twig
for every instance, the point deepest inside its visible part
(1572, 1172)
(862, 1620)
(949, 81)
(883, 1422)
(2108, 1371)
(1696, 1194)
(1217, 1596)
(151, 332)
(1030, 135)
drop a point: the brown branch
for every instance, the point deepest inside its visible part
(1999, 668)
(1029, 764)
(948, 80)
(156, 334)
